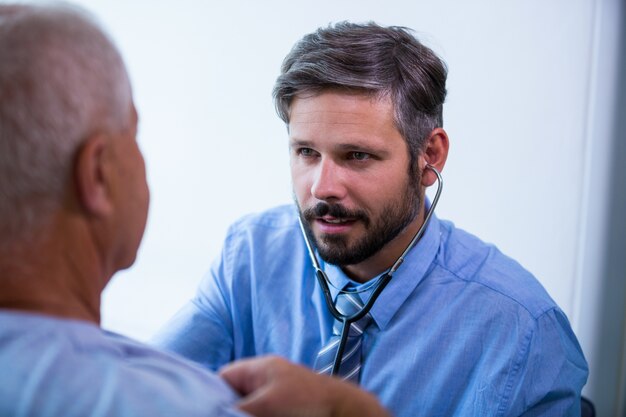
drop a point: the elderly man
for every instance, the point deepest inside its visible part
(460, 329)
(73, 207)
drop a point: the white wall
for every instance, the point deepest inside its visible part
(523, 77)
(602, 264)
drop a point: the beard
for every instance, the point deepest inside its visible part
(379, 231)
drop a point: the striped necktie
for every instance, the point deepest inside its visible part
(347, 304)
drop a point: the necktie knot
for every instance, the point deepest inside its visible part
(347, 304)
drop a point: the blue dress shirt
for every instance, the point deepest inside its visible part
(52, 367)
(461, 329)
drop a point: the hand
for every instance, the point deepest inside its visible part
(274, 387)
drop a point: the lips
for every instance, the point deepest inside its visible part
(334, 225)
(334, 220)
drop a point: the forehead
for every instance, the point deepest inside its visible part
(347, 116)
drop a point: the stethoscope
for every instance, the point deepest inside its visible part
(377, 288)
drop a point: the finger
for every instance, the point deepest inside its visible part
(258, 404)
(251, 377)
(241, 376)
(247, 375)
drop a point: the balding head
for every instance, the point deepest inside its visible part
(61, 81)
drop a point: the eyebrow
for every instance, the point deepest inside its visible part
(298, 143)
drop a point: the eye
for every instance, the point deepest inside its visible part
(306, 152)
(359, 156)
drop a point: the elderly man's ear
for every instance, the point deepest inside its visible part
(92, 171)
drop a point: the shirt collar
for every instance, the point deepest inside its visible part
(414, 268)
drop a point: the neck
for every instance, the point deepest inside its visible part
(52, 278)
(384, 259)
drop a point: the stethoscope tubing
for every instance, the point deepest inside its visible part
(348, 320)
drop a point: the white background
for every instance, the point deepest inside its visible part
(524, 105)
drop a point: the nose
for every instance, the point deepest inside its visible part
(327, 182)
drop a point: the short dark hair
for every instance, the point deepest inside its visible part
(373, 60)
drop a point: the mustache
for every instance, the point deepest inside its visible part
(335, 210)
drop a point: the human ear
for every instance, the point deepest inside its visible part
(434, 154)
(91, 177)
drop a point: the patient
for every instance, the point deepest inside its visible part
(73, 207)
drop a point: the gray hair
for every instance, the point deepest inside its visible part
(372, 60)
(61, 80)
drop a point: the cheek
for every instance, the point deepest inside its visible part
(145, 189)
(144, 203)
(144, 177)
(300, 182)
(147, 199)
(138, 184)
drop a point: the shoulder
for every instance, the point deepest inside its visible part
(503, 294)
(84, 361)
(484, 266)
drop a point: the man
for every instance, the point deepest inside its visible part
(460, 330)
(73, 207)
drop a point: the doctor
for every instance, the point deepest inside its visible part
(460, 329)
